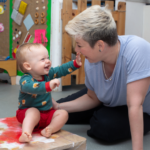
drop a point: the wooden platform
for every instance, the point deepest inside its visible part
(11, 67)
(10, 131)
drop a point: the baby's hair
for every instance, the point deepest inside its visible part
(21, 54)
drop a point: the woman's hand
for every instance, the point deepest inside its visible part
(55, 104)
(78, 59)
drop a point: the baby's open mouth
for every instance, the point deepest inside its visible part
(46, 67)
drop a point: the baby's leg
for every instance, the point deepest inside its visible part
(32, 117)
(59, 118)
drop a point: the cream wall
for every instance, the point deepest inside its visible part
(138, 20)
(134, 18)
(146, 23)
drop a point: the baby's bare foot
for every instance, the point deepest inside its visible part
(46, 132)
(25, 137)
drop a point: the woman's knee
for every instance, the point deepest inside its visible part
(101, 129)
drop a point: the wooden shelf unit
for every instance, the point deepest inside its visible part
(67, 14)
(11, 67)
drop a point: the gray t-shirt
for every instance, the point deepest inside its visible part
(133, 64)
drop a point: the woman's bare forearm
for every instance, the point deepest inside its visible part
(80, 104)
(136, 126)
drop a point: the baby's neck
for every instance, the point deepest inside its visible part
(37, 77)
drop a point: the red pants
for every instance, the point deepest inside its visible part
(45, 117)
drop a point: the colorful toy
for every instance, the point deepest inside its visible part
(27, 38)
(14, 52)
(7, 58)
(40, 36)
(37, 8)
(42, 14)
(36, 15)
(17, 4)
(31, 40)
(22, 7)
(42, 21)
(3, 1)
(17, 36)
(4, 7)
(36, 21)
(1, 9)
(1, 27)
(17, 17)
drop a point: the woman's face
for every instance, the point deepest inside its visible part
(83, 47)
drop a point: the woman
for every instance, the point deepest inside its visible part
(116, 101)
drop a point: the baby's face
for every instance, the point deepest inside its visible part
(38, 59)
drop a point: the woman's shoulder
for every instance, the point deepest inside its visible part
(132, 41)
(131, 44)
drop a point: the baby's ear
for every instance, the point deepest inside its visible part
(27, 66)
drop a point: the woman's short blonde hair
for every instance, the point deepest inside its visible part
(93, 24)
(21, 54)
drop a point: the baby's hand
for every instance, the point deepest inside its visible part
(54, 83)
(78, 59)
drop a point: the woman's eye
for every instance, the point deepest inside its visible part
(79, 46)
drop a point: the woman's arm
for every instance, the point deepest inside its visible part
(136, 92)
(85, 102)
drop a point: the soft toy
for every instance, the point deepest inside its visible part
(1, 27)
(1, 9)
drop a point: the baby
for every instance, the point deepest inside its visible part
(35, 103)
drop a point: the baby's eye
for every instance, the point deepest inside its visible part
(42, 59)
(47, 57)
